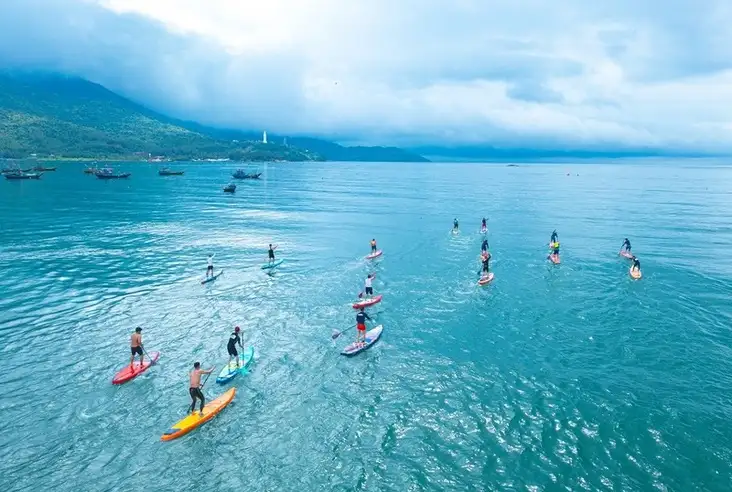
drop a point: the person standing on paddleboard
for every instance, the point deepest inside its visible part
(455, 225)
(484, 246)
(231, 346)
(270, 253)
(373, 245)
(626, 245)
(636, 264)
(195, 387)
(483, 224)
(361, 318)
(136, 346)
(486, 259)
(209, 269)
(555, 249)
(368, 288)
(554, 244)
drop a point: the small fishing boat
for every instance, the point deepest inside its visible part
(44, 169)
(230, 188)
(241, 174)
(91, 170)
(108, 173)
(23, 175)
(169, 172)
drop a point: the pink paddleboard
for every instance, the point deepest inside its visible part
(626, 255)
(554, 259)
(374, 255)
(367, 302)
(485, 280)
(132, 371)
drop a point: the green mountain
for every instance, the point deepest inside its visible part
(53, 115)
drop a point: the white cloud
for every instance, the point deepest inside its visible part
(571, 73)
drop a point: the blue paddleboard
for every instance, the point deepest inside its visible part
(230, 370)
(275, 263)
(212, 278)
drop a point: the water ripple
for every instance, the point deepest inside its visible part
(569, 377)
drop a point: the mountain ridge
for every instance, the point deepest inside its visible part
(53, 115)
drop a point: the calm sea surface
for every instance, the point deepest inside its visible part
(570, 377)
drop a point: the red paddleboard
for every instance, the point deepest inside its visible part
(374, 255)
(367, 302)
(626, 255)
(554, 259)
(132, 371)
(486, 279)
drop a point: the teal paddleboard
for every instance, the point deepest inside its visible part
(230, 370)
(275, 263)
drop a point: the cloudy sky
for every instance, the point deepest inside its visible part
(532, 73)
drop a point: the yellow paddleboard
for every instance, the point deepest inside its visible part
(195, 419)
(636, 274)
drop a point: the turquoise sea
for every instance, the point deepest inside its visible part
(570, 377)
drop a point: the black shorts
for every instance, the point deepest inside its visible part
(555, 252)
(369, 291)
(210, 268)
(232, 350)
(136, 350)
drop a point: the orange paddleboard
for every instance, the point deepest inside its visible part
(195, 419)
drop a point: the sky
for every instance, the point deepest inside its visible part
(521, 73)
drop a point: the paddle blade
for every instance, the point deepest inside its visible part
(335, 335)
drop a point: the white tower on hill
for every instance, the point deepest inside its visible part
(264, 137)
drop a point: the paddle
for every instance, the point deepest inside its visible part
(152, 361)
(207, 376)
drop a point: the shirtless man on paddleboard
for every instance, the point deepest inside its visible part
(195, 387)
(136, 346)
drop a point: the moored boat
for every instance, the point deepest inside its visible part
(241, 174)
(230, 188)
(23, 175)
(44, 169)
(169, 172)
(108, 173)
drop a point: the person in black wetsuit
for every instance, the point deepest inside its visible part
(554, 236)
(486, 259)
(234, 340)
(484, 246)
(361, 318)
(636, 264)
(455, 225)
(626, 245)
(483, 224)
(270, 253)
